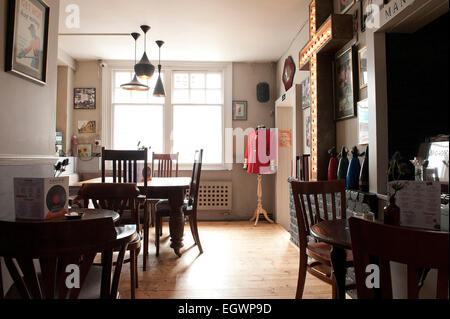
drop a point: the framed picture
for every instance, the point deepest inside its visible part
(84, 150)
(87, 127)
(307, 129)
(27, 39)
(345, 5)
(288, 72)
(344, 86)
(363, 119)
(84, 99)
(362, 68)
(240, 110)
(306, 93)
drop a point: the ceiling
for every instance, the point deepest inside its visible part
(193, 30)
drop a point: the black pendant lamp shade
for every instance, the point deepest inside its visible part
(144, 69)
(135, 85)
(159, 88)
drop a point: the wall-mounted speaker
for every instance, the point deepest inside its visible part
(263, 92)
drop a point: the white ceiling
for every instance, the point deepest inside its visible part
(193, 30)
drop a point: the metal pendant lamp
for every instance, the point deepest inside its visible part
(135, 85)
(144, 69)
(159, 88)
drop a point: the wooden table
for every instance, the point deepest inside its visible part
(337, 234)
(172, 188)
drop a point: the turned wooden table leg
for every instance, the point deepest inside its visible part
(176, 222)
(338, 257)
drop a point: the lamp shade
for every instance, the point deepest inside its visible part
(159, 88)
(134, 85)
(144, 69)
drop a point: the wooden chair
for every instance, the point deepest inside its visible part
(124, 170)
(164, 167)
(36, 255)
(319, 252)
(190, 205)
(120, 198)
(375, 243)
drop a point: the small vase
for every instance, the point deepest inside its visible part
(392, 213)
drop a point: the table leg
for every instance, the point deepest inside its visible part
(338, 257)
(176, 222)
(146, 234)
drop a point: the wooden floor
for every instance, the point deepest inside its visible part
(239, 261)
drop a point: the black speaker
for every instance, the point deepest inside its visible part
(262, 92)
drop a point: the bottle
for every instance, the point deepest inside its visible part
(364, 176)
(343, 164)
(74, 143)
(333, 165)
(354, 170)
(392, 213)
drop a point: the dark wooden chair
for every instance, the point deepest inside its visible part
(125, 170)
(190, 205)
(121, 198)
(375, 243)
(36, 255)
(165, 165)
(306, 194)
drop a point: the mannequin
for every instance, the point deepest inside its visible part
(261, 159)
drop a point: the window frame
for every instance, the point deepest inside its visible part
(168, 70)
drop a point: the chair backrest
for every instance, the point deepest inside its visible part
(53, 246)
(195, 180)
(124, 165)
(306, 194)
(112, 196)
(375, 243)
(165, 166)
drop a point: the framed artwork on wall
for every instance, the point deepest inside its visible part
(85, 150)
(345, 5)
(362, 68)
(27, 39)
(306, 93)
(288, 72)
(307, 129)
(87, 127)
(240, 110)
(363, 120)
(84, 98)
(344, 86)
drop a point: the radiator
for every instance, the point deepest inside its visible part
(215, 196)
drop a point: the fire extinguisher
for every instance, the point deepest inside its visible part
(333, 165)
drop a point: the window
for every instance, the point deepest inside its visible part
(193, 116)
(137, 116)
(198, 115)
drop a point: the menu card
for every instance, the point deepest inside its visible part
(420, 204)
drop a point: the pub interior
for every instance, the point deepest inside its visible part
(256, 149)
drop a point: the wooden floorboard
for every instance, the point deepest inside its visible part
(239, 261)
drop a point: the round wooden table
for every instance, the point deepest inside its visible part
(337, 234)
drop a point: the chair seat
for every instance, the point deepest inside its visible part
(321, 252)
(163, 208)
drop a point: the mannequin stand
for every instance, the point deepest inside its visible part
(259, 209)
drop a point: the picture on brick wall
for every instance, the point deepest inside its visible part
(345, 92)
(27, 39)
(84, 99)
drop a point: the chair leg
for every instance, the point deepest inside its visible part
(157, 226)
(133, 273)
(136, 268)
(194, 231)
(301, 275)
(146, 234)
(160, 226)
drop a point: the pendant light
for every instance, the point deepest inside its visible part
(135, 85)
(144, 69)
(159, 88)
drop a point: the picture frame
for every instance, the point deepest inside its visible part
(27, 39)
(288, 72)
(345, 106)
(84, 98)
(307, 130)
(84, 150)
(362, 68)
(306, 93)
(88, 127)
(363, 121)
(345, 5)
(240, 110)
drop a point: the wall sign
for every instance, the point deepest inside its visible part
(288, 73)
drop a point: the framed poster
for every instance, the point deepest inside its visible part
(344, 86)
(345, 5)
(87, 127)
(307, 130)
(306, 93)
(84, 99)
(27, 39)
(85, 150)
(240, 110)
(363, 120)
(362, 68)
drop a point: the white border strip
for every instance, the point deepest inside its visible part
(21, 160)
